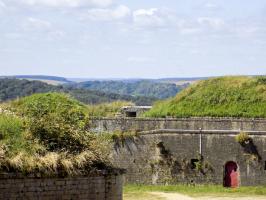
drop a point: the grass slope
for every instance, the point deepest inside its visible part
(217, 97)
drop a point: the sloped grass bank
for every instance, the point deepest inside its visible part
(217, 97)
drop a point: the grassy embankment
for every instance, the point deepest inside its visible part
(140, 191)
(47, 134)
(217, 97)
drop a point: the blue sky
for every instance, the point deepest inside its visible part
(122, 38)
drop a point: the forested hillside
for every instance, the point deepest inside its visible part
(138, 88)
(14, 88)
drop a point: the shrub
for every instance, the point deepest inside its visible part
(47, 134)
(56, 119)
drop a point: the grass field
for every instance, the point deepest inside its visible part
(141, 192)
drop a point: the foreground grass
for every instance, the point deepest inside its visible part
(200, 190)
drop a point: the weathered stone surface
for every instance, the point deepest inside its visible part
(165, 158)
(144, 124)
(84, 188)
(164, 150)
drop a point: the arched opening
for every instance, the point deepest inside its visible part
(231, 174)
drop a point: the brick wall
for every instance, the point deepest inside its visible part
(80, 188)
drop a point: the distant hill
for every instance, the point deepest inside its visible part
(52, 80)
(15, 88)
(181, 81)
(217, 97)
(134, 88)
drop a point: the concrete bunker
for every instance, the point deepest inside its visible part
(134, 111)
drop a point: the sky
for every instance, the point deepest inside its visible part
(133, 38)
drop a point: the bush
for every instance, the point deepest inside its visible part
(47, 134)
(57, 120)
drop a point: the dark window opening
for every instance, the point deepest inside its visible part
(193, 163)
(131, 114)
(264, 165)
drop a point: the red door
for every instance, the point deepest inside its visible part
(231, 175)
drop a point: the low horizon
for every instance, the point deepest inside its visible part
(129, 78)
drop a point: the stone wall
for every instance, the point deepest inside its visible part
(90, 188)
(167, 151)
(162, 157)
(142, 124)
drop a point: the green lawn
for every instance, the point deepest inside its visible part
(199, 190)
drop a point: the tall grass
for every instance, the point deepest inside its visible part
(107, 109)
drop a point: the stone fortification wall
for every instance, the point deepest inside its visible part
(89, 188)
(189, 150)
(145, 124)
(166, 157)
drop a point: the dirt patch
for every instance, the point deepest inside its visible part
(176, 196)
(172, 196)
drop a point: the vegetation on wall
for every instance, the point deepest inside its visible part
(47, 134)
(243, 138)
(217, 97)
(250, 149)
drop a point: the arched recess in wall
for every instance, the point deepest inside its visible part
(231, 174)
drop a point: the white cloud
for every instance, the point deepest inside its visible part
(98, 14)
(13, 36)
(2, 4)
(137, 59)
(56, 35)
(66, 3)
(36, 24)
(148, 17)
(215, 23)
(2, 7)
(211, 6)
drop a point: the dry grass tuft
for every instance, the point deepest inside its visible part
(68, 166)
(48, 163)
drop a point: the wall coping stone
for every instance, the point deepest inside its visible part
(182, 119)
(99, 173)
(182, 131)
